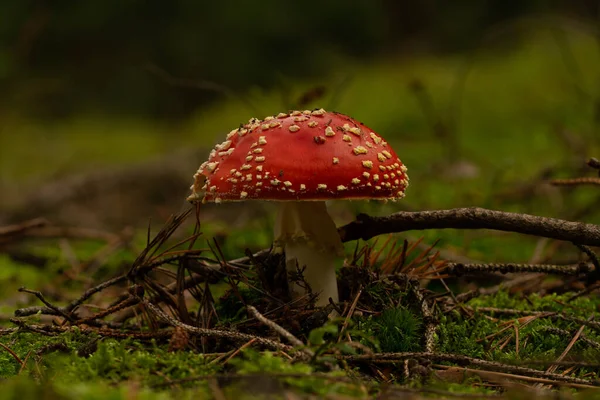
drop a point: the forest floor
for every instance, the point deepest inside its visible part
(99, 303)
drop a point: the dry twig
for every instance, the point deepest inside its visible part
(582, 337)
(13, 354)
(504, 268)
(8, 233)
(280, 330)
(575, 181)
(562, 356)
(23, 312)
(594, 163)
(457, 358)
(237, 336)
(52, 330)
(366, 227)
(502, 376)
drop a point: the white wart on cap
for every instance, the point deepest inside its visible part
(301, 155)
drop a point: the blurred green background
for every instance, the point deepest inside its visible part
(107, 108)
(60, 58)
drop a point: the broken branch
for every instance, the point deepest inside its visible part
(366, 227)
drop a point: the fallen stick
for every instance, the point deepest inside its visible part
(365, 227)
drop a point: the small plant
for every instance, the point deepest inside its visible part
(397, 330)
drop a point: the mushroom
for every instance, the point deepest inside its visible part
(302, 159)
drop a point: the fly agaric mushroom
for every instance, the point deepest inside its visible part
(302, 159)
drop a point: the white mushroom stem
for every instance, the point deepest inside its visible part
(307, 234)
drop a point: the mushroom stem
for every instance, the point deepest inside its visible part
(307, 234)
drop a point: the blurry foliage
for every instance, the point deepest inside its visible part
(488, 102)
(51, 265)
(21, 388)
(253, 362)
(99, 52)
(58, 58)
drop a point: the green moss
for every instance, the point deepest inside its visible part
(460, 336)
(116, 361)
(396, 330)
(23, 388)
(580, 307)
(27, 345)
(481, 337)
(267, 363)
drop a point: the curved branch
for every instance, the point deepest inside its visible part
(366, 227)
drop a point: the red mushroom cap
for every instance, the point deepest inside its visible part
(302, 155)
